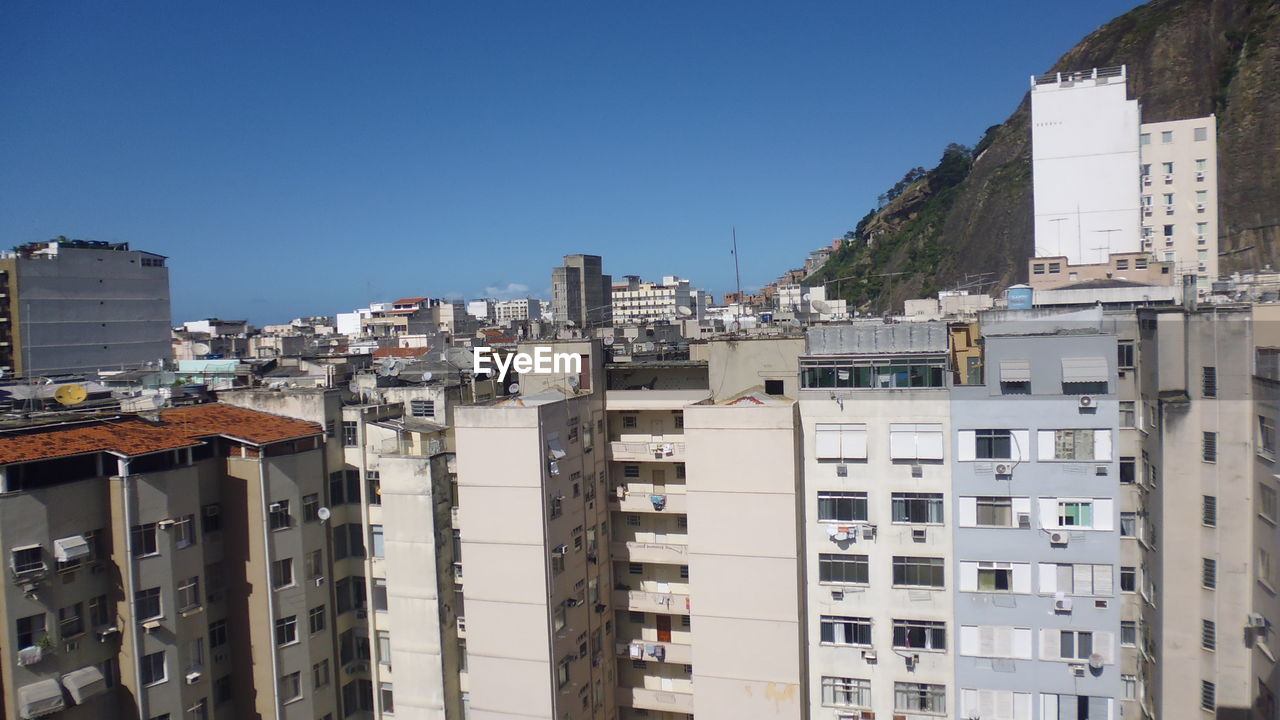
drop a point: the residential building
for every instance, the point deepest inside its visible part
(164, 567)
(1179, 175)
(76, 306)
(507, 311)
(636, 302)
(580, 293)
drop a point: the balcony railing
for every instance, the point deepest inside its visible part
(675, 653)
(652, 448)
(652, 502)
(650, 552)
(659, 700)
(641, 601)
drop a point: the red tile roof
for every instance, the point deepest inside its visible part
(401, 352)
(406, 301)
(132, 435)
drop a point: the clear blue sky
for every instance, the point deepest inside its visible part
(300, 158)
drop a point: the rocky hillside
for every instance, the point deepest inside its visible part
(1186, 58)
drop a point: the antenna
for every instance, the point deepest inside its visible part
(737, 275)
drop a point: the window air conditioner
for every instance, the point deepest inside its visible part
(193, 676)
(166, 524)
(211, 510)
(1024, 520)
(1077, 669)
(1257, 621)
(1168, 179)
(919, 534)
(869, 655)
(868, 532)
(837, 594)
(1146, 179)
(1086, 401)
(275, 507)
(1059, 537)
(1062, 605)
(320, 581)
(151, 625)
(1199, 174)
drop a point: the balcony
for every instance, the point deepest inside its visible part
(647, 448)
(653, 651)
(659, 700)
(654, 602)
(653, 502)
(650, 552)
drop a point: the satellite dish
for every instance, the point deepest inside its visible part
(735, 326)
(323, 513)
(794, 322)
(684, 311)
(513, 388)
(574, 384)
(1095, 661)
(201, 349)
(806, 296)
(608, 341)
(71, 394)
(426, 376)
(821, 306)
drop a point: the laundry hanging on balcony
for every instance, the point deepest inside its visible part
(637, 651)
(659, 501)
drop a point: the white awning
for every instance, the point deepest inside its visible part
(1084, 369)
(70, 548)
(554, 448)
(40, 698)
(1015, 371)
(84, 683)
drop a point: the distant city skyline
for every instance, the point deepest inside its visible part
(297, 164)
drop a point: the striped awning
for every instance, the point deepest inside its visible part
(1084, 369)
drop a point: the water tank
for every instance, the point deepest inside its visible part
(1018, 297)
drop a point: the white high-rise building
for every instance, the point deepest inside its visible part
(1180, 195)
(1084, 154)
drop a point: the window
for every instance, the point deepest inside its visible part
(919, 635)
(1166, 137)
(1074, 445)
(348, 541)
(1128, 524)
(920, 697)
(557, 558)
(388, 698)
(562, 671)
(146, 604)
(917, 508)
(189, 594)
(915, 441)
(282, 573)
(71, 621)
(373, 479)
(1167, 167)
(993, 444)
(1128, 633)
(1144, 139)
(1128, 579)
(1209, 573)
(1145, 169)
(380, 595)
(1124, 352)
(1209, 447)
(1209, 511)
(555, 505)
(315, 564)
(1127, 414)
(1075, 644)
(918, 572)
(1264, 567)
(320, 674)
(350, 433)
(1267, 436)
(422, 408)
(842, 506)
(994, 511)
(376, 545)
(1200, 134)
(287, 630)
(217, 634)
(211, 518)
(184, 531)
(1209, 381)
(384, 647)
(357, 696)
(1168, 231)
(30, 630)
(872, 373)
(1168, 198)
(222, 690)
(1075, 513)
(1208, 635)
(1128, 470)
(846, 692)
(1208, 695)
(290, 687)
(315, 619)
(310, 507)
(344, 487)
(837, 568)
(1122, 264)
(350, 592)
(629, 421)
(1267, 502)
(142, 540)
(841, 630)
(995, 577)
(99, 611)
(1037, 268)
(631, 472)
(1140, 263)
(1079, 579)
(279, 515)
(153, 668)
(840, 442)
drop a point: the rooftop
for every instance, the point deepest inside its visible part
(654, 399)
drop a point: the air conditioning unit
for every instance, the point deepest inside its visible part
(919, 534)
(320, 581)
(151, 625)
(1257, 621)
(1059, 537)
(107, 632)
(1199, 175)
(1086, 401)
(868, 532)
(1100, 470)
(1004, 468)
(1146, 212)
(837, 594)
(573, 602)
(1168, 210)
(1146, 179)
(276, 507)
(1199, 207)
(869, 655)
(211, 510)
(1062, 604)
(166, 524)
(842, 471)
(1024, 520)
(193, 676)
(1077, 669)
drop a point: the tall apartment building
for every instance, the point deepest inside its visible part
(877, 531)
(580, 293)
(1180, 195)
(74, 306)
(1084, 158)
(635, 302)
(1035, 477)
(166, 568)
(506, 311)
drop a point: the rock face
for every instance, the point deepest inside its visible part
(1186, 58)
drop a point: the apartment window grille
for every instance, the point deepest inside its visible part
(841, 630)
(1209, 381)
(1208, 695)
(918, 572)
(1209, 511)
(1209, 449)
(1208, 635)
(422, 408)
(1209, 573)
(844, 569)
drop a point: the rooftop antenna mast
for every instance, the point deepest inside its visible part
(737, 276)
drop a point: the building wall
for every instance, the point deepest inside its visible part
(1192, 245)
(1084, 152)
